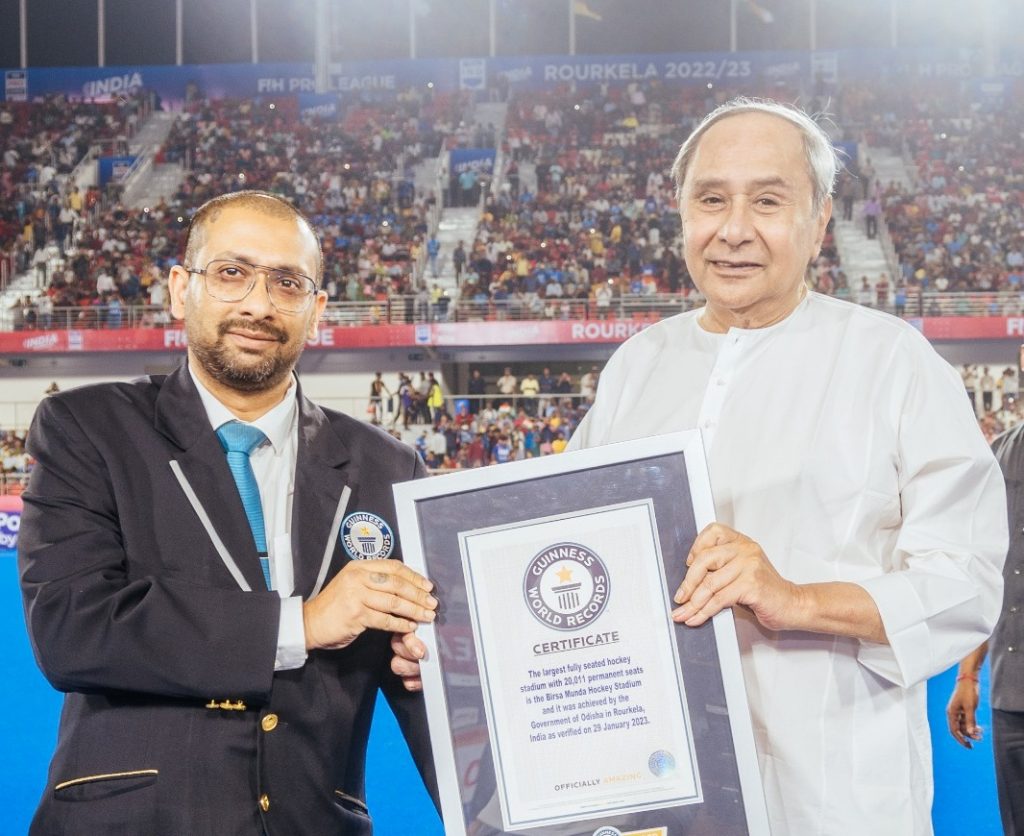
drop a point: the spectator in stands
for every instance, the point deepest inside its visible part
(435, 399)
(530, 388)
(846, 193)
(900, 299)
(988, 388)
(872, 211)
(422, 397)
(13, 456)
(433, 251)
(507, 383)
(476, 388)
(1010, 384)
(459, 260)
(546, 384)
(564, 387)
(588, 384)
(406, 400)
(969, 375)
(378, 388)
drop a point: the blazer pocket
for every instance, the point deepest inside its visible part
(351, 803)
(105, 785)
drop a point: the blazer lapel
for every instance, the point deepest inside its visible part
(322, 473)
(180, 416)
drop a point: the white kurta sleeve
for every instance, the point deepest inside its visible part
(943, 595)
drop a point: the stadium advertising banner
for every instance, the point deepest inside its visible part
(15, 85)
(10, 521)
(357, 79)
(114, 169)
(480, 160)
(324, 105)
(450, 335)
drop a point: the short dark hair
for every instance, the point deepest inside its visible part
(265, 202)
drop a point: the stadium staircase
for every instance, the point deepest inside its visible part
(859, 255)
(458, 223)
(152, 132)
(153, 181)
(149, 184)
(20, 287)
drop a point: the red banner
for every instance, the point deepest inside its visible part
(450, 335)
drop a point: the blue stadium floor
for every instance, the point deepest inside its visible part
(32, 707)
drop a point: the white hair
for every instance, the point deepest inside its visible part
(822, 160)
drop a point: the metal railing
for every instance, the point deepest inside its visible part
(137, 177)
(408, 310)
(6, 270)
(16, 416)
(892, 260)
(13, 484)
(84, 174)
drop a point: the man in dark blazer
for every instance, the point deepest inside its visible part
(206, 694)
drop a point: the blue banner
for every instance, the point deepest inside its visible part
(323, 106)
(480, 160)
(355, 80)
(114, 169)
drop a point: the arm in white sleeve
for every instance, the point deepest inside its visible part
(944, 596)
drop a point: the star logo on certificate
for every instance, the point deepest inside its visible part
(564, 574)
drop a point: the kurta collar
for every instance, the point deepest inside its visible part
(756, 334)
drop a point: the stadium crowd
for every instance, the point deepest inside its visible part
(510, 419)
(520, 417)
(595, 220)
(41, 144)
(351, 175)
(960, 224)
(583, 216)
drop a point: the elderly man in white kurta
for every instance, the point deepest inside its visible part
(861, 520)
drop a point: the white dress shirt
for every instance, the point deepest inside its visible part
(273, 464)
(843, 444)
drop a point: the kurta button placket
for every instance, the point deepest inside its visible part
(717, 386)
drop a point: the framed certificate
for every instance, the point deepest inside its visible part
(561, 697)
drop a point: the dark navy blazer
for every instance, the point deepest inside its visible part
(174, 720)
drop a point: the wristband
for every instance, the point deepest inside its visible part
(967, 676)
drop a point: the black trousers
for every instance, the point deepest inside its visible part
(1008, 745)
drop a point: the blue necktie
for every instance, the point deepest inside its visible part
(238, 441)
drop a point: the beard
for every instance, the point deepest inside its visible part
(240, 370)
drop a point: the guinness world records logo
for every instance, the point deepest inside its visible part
(366, 536)
(566, 586)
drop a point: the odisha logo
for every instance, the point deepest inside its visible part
(566, 586)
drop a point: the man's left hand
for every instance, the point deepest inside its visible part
(726, 568)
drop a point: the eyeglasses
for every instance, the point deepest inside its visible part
(228, 280)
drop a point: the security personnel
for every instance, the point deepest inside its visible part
(1007, 649)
